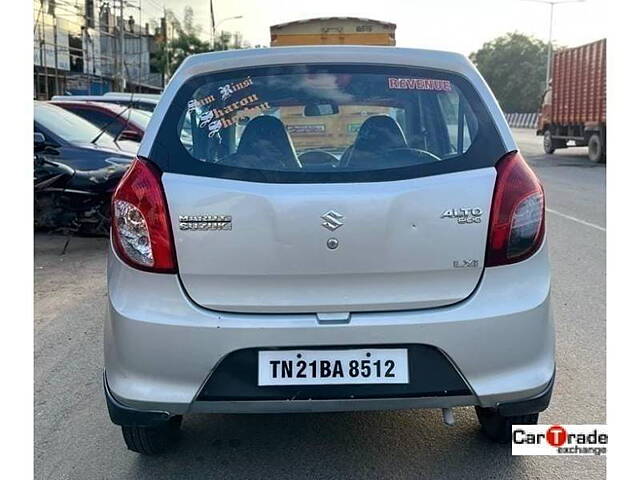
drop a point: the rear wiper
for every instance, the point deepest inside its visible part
(108, 124)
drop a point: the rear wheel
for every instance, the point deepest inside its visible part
(596, 149)
(547, 143)
(498, 427)
(152, 440)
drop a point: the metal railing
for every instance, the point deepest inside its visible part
(522, 120)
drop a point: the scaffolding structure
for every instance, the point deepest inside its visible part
(92, 46)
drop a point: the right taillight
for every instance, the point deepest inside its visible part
(141, 228)
(516, 224)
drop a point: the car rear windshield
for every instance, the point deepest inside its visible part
(322, 123)
(70, 127)
(140, 118)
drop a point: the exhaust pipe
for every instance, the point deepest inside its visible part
(447, 417)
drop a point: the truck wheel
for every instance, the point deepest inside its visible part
(547, 143)
(498, 427)
(152, 440)
(596, 149)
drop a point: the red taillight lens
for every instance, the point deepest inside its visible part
(516, 225)
(141, 229)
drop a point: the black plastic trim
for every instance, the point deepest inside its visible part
(126, 416)
(431, 374)
(536, 404)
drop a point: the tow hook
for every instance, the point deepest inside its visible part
(447, 417)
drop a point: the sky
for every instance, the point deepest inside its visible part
(455, 25)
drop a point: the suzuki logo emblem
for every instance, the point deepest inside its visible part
(332, 220)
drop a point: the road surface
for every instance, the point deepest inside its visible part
(75, 440)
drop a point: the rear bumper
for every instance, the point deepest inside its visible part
(121, 414)
(537, 403)
(161, 348)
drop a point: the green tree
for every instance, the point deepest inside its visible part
(514, 65)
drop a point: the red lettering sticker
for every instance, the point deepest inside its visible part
(420, 84)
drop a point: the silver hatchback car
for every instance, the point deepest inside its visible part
(337, 228)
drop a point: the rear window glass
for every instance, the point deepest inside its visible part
(140, 118)
(326, 123)
(70, 127)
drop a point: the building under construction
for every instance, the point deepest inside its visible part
(93, 46)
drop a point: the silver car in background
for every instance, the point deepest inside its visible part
(347, 228)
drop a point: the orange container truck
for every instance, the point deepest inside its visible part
(574, 108)
(333, 31)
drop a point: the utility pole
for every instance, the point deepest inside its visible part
(551, 4)
(55, 51)
(213, 27)
(43, 56)
(123, 77)
(165, 36)
(549, 44)
(141, 34)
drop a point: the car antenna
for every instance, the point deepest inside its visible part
(126, 68)
(128, 109)
(108, 124)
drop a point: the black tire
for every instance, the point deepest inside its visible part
(547, 143)
(596, 149)
(497, 427)
(153, 440)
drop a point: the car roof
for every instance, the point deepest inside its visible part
(40, 103)
(231, 59)
(211, 62)
(136, 96)
(106, 98)
(113, 107)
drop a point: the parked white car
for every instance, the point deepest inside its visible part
(348, 228)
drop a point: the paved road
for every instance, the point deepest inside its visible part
(75, 440)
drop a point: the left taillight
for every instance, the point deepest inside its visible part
(141, 228)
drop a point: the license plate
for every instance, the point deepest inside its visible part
(333, 367)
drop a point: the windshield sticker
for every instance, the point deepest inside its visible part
(199, 102)
(217, 119)
(223, 114)
(239, 115)
(420, 84)
(232, 107)
(227, 90)
(205, 118)
(214, 128)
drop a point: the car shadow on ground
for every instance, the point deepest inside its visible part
(405, 444)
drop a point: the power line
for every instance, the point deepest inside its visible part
(156, 5)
